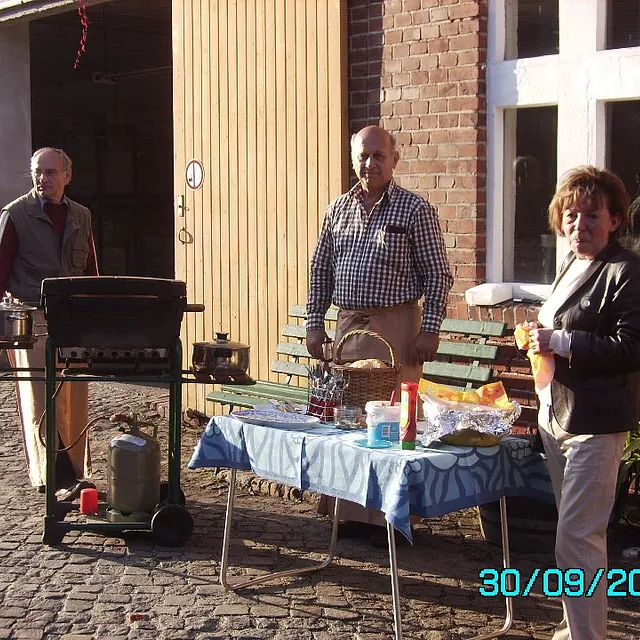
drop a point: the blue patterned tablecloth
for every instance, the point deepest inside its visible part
(427, 482)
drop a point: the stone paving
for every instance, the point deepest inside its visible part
(92, 586)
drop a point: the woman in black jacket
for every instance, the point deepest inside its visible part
(591, 325)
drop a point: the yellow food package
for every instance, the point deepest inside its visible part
(521, 335)
(472, 397)
(439, 390)
(494, 395)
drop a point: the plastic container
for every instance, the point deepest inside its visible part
(383, 421)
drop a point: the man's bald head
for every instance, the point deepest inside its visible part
(374, 157)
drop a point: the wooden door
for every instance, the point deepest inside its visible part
(260, 102)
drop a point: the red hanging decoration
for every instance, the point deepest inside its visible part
(84, 21)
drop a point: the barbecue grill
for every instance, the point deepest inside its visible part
(117, 328)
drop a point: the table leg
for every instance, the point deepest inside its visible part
(508, 621)
(277, 574)
(395, 588)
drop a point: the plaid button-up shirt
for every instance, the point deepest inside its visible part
(388, 257)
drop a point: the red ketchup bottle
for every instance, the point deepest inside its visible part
(408, 420)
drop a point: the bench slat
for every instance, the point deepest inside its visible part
(235, 400)
(489, 328)
(289, 368)
(462, 372)
(276, 390)
(446, 348)
(468, 350)
(300, 311)
(298, 331)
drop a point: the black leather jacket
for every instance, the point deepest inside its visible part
(595, 389)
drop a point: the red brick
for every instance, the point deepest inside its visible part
(471, 56)
(470, 26)
(420, 107)
(467, 72)
(400, 50)
(428, 151)
(438, 46)
(402, 20)
(438, 105)
(448, 120)
(464, 135)
(436, 14)
(411, 5)
(391, 66)
(411, 35)
(403, 138)
(394, 36)
(427, 182)
(409, 123)
(438, 75)
(401, 79)
(418, 137)
(428, 121)
(410, 152)
(447, 89)
(417, 48)
(419, 77)
(465, 103)
(449, 59)
(467, 41)
(410, 64)
(462, 196)
(421, 17)
(429, 32)
(392, 6)
(401, 108)
(449, 29)
(428, 91)
(439, 135)
(410, 94)
(464, 10)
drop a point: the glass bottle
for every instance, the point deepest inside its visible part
(408, 419)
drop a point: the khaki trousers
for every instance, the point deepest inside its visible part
(71, 412)
(399, 326)
(583, 470)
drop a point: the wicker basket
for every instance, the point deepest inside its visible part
(364, 385)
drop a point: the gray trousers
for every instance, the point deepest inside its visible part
(584, 470)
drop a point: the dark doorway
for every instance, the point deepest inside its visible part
(113, 115)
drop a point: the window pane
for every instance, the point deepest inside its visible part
(531, 28)
(623, 147)
(623, 24)
(531, 178)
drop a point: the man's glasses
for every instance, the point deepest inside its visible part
(48, 173)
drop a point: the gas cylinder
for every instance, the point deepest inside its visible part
(133, 470)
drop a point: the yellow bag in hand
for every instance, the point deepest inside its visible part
(542, 364)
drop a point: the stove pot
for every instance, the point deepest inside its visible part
(221, 357)
(16, 320)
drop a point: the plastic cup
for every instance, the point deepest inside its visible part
(89, 501)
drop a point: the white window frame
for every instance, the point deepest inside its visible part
(580, 79)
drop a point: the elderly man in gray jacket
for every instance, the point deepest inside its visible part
(45, 234)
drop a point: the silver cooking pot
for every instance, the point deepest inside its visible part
(16, 320)
(220, 357)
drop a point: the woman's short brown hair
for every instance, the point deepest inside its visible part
(600, 185)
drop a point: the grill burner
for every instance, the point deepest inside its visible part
(121, 360)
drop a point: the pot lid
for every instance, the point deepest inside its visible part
(9, 303)
(221, 341)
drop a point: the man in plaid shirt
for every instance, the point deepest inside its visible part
(381, 260)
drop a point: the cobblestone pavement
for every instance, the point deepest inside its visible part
(93, 586)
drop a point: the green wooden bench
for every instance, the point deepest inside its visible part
(464, 361)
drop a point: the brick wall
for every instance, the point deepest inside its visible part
(417, 67)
